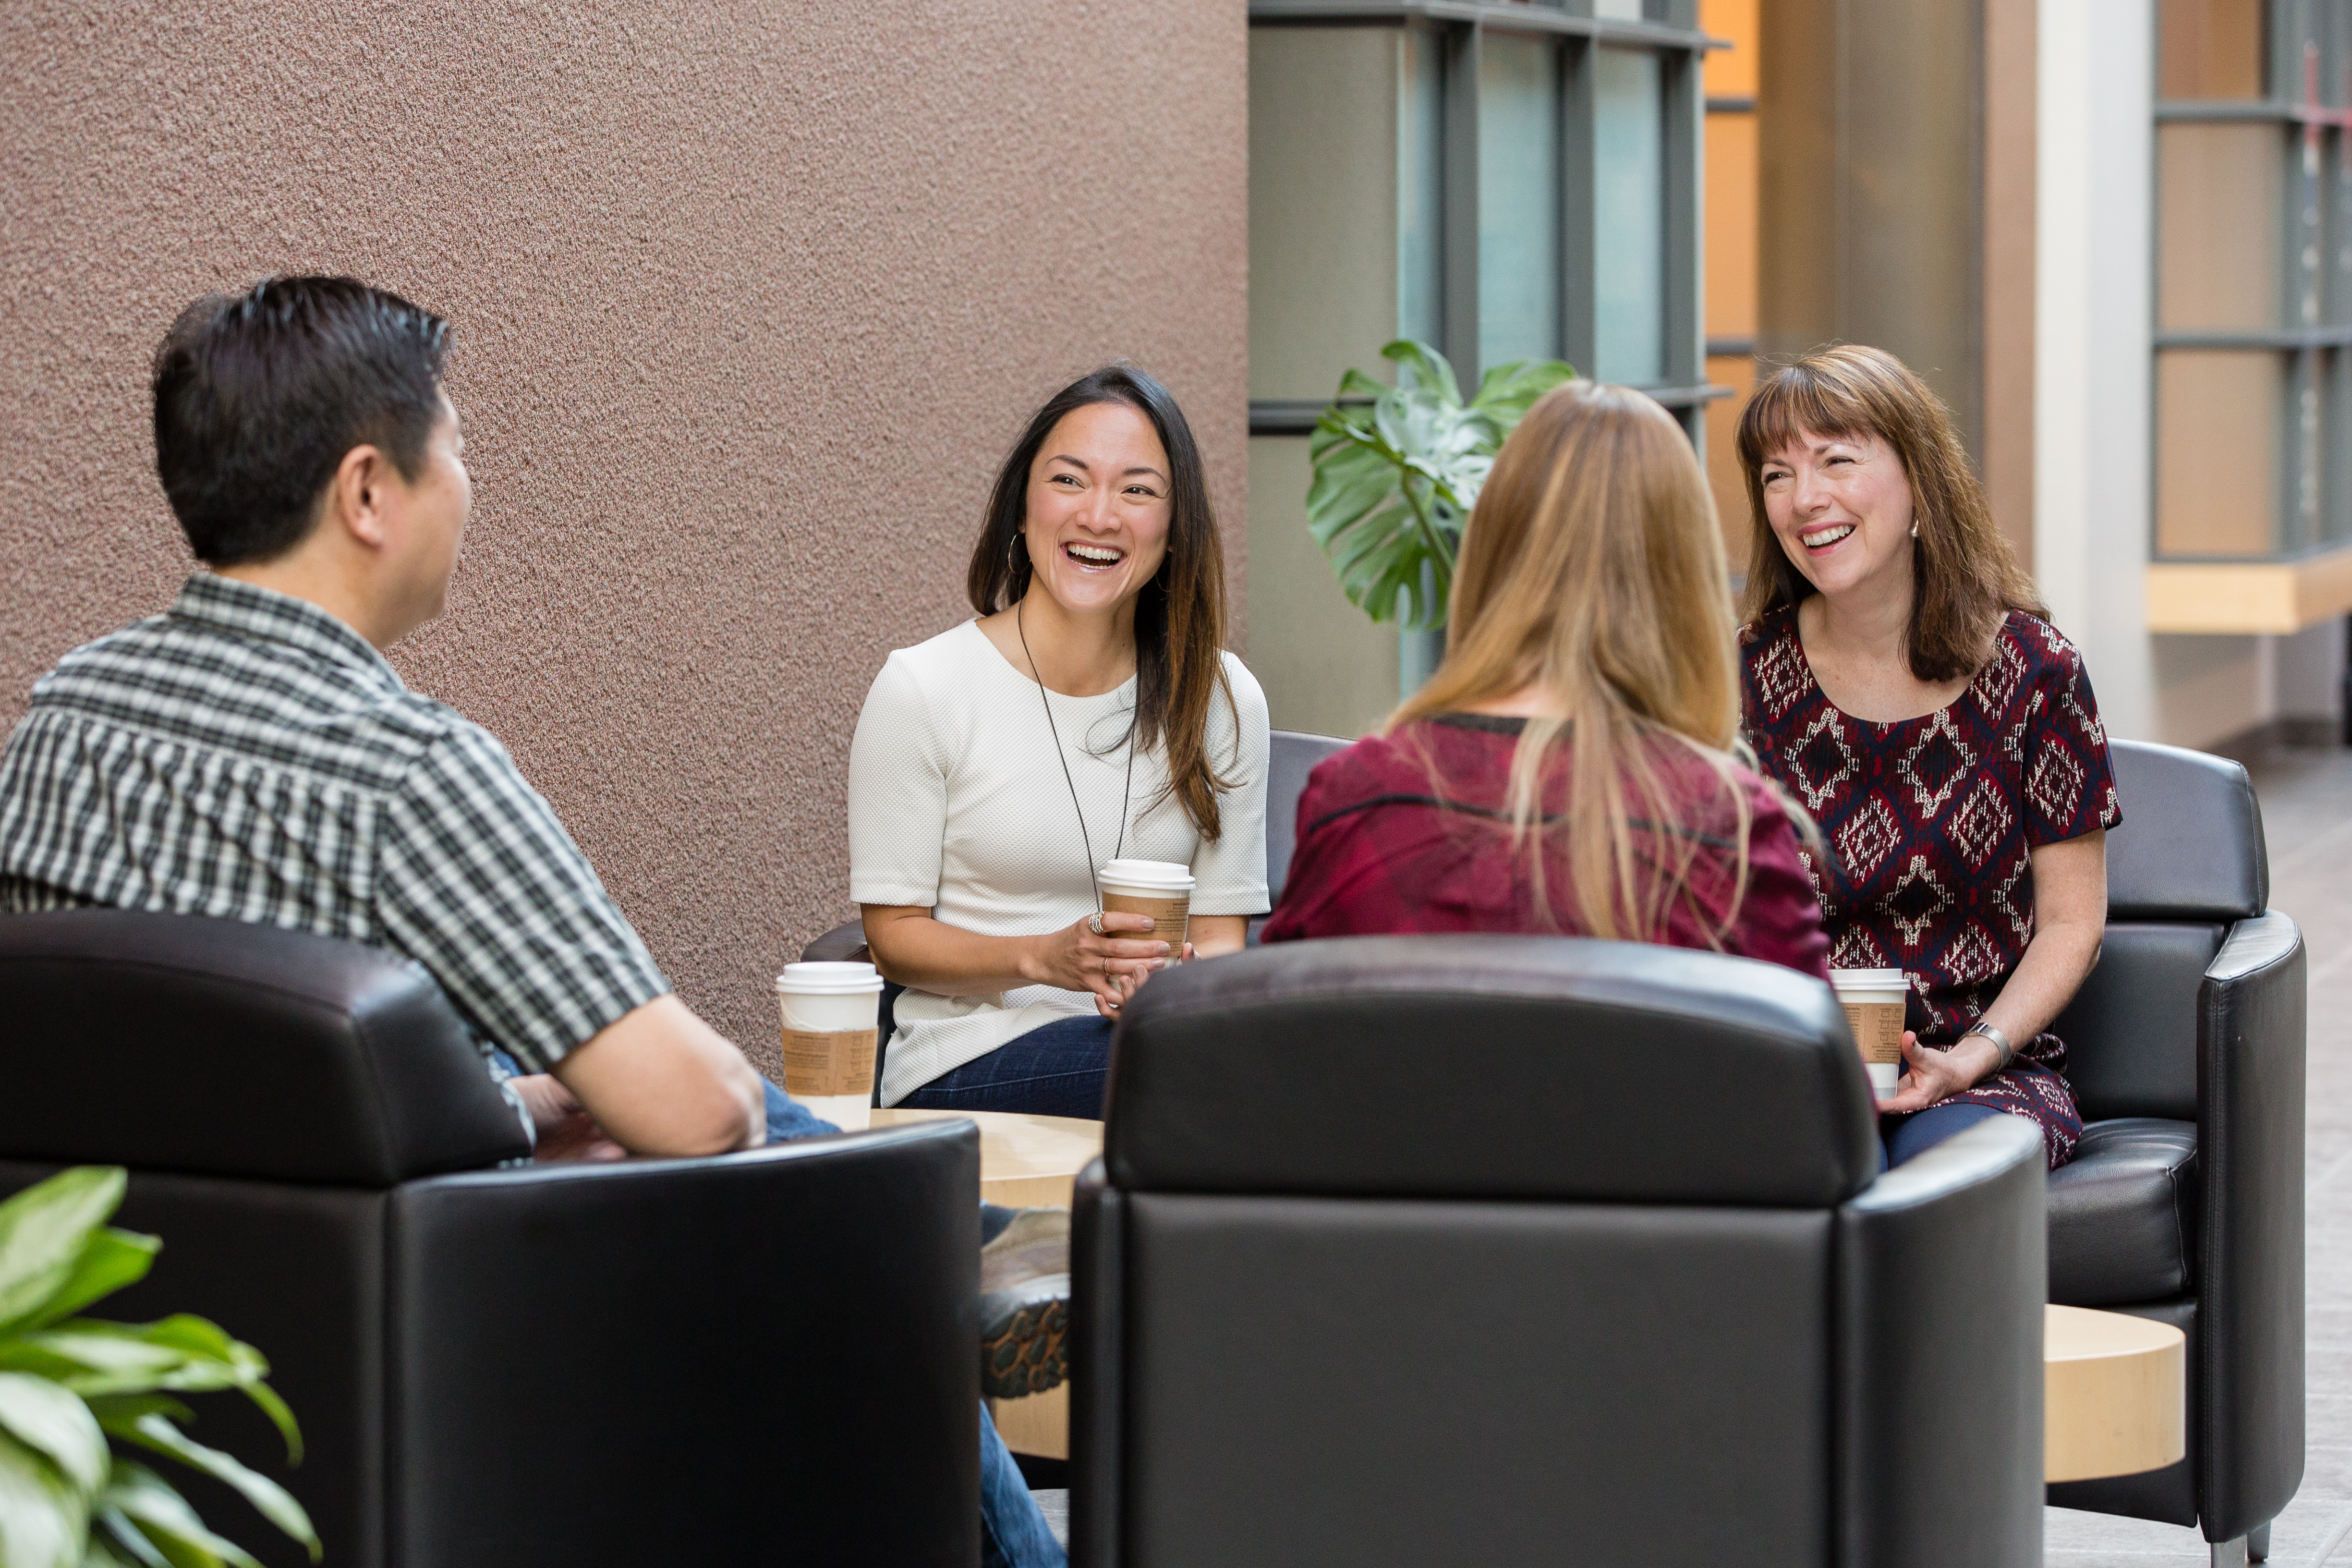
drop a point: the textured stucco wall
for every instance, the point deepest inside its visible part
(749, 300)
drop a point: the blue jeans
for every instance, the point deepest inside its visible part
(1921, 1131)
(789, 1120)
(1055, 1070)
(1013, 1532)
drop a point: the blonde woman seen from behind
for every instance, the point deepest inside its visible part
(1569, 767)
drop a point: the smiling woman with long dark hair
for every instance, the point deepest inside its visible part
(1089, 714)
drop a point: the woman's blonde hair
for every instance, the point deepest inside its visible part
(1593, 563)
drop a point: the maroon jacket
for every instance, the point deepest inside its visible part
(1410, 832)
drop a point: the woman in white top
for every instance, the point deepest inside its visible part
(1089, 714)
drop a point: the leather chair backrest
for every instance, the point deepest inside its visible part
(180, 1043)
(1490, 1067)
(1393, 1381)
(1292, 757)
(2188, 859)
(2131, 1030)
(2190, 844)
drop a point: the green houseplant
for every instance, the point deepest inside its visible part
(1397, 470)
(69, 1383)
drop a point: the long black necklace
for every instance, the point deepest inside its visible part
(1124, 789)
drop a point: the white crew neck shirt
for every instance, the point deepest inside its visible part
(956, 804)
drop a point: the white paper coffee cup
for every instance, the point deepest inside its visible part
(830, 1016)
(1159, 889)
(1874, 1000)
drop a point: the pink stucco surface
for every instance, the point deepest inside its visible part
(749, 301)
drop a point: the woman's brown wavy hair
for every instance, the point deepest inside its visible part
(1180, 616)
(1964, 580)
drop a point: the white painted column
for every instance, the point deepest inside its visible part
(2094, 220)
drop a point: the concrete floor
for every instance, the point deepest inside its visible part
(2307, 799)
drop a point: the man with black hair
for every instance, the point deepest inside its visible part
(250, 754)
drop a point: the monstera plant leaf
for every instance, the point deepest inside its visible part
(69, 1383)
(1397, 470)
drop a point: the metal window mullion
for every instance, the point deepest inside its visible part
(1580, 292)
(1685, 106)
(1458, 200)
(2336, 421)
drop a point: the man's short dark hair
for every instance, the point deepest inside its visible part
(259, 396)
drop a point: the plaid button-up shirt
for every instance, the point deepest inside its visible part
(247, 755)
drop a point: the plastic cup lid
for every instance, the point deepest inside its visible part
(815, 979)
(1168, 876)
(1869, 979)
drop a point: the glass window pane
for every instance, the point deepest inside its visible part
(1731, 72)
(1618, 10)
(2337, 263)
(1732, 230)
(2220, 190)
(1323, 204)
(2217, 452)
(2210, 49)
(1327, 668)
(1518, 200)
(2335, 512)
(2307, 452)
(1421, 208)
(2335, 57)
(2310, 235)
(1629, 218)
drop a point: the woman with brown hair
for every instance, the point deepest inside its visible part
(1089, 714)
(1569, 767)
(1903, 681)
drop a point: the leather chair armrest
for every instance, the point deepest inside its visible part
(844, 943)
(1097, 1266)
(675, 1361)
(1942, 1269)
(2250, 1137)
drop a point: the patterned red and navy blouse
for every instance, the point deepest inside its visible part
(1930, 823)
(1410, 832)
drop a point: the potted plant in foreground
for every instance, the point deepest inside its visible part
(1397, 470)
(68, 1384)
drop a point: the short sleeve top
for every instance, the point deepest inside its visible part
(958, 804)
(248, 756)
(1931, 823)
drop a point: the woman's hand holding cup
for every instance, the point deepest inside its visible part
(1937, 1073)
(1109, 963)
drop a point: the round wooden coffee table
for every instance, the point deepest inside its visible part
(2114, 1388)
(2114, 1394)
(1024, 1162)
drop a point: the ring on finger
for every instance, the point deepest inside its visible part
(1094, 922)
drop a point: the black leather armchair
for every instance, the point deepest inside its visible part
(1495, 1249)
(761, 1357)
(2184, 1201)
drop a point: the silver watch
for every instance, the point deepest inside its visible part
(2000, 1043)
